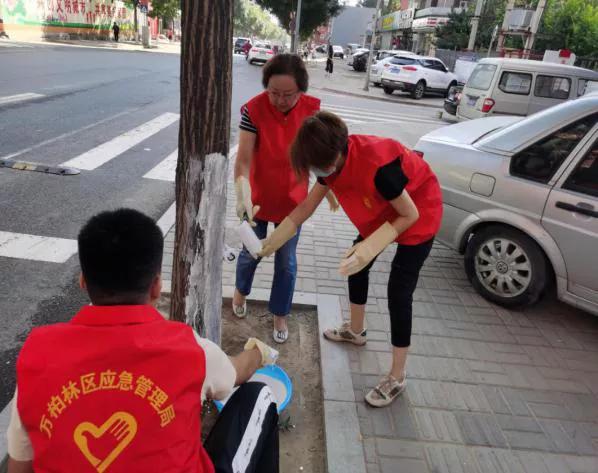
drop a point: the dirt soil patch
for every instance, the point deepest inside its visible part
(302, 444)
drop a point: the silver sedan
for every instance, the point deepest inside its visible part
(521, 202)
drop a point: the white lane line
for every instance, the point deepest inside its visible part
(166, 169)
(379, 115)
(383, 120)
(373, 111)
(10, 99)
(167, 220)
(95, 157)
(36, 248)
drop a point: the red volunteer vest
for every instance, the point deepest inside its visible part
(117, 389)
(274, 186)
(356, 191)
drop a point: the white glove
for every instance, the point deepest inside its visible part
(361, 254)
(245, 208)
(269, 354)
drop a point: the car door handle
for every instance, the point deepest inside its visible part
(577, 209)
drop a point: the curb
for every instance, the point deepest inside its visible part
(380, 99)
(4, 421)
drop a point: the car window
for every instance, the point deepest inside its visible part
(585, 177)
(552, 87)
(515, 83)
(402, 61)
(481, 77)
(541, 160)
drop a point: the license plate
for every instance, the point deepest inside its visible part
(471, 101)
(395, 70)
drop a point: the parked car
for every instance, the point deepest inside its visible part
(521, 201)
(260, 52)
(383, 62)
(354, 55)
(417, 75)
(239, 43)
(322, 48)
(337, 51)
(520, 87)
(453, 98)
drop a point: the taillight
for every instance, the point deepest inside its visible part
(487, 106)
(408, 68)
(386, 65)
(269, 52)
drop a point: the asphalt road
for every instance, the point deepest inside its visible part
(84, 98)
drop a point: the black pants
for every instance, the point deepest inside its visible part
(329, 65)
(402, 282)
(116, 33)
(244, 438)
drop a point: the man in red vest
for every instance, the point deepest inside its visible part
(391, 195)
(120, 389)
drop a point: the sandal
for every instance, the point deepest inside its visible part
(345, 334)
(388, 390)
(280, 336)
(240, 310)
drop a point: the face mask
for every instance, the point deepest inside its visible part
(321, 173)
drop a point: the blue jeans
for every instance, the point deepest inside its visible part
(285, 271)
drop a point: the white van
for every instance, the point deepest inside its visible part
(501, 86)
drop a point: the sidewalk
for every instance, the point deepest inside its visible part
(348, 82)
(490, 390)
(171, 48)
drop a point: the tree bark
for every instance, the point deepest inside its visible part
(135, 20)
(206, 84)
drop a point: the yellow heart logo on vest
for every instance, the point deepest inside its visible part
(108, 441)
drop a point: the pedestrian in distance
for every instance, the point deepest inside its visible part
(120, 388)
(266, 187)
(329, 61)
(116, 31)
(392, 196)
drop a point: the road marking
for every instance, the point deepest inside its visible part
(10, 99)
(100, 155)
(36, 248)
(378, 115)
(166, 169)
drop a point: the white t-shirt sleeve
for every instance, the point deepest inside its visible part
(19, 445)
(220, 372)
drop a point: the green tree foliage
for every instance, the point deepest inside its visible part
(571, 24)
(165, 9)
(455, 33)
(252, 20)
(313, 12)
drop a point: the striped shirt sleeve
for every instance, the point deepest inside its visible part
(246, 123)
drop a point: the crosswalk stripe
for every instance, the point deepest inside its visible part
(36, 248)
(100, 155)
(166, 169)
(10, 99)
(378, 119)
(380, 115)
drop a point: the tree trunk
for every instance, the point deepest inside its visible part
(206, 84)
(135, 21)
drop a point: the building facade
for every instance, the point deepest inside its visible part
(351, 26)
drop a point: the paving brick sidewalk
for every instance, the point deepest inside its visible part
(490, 390)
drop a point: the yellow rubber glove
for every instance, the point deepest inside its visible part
(360, 255)
(283, 233)
(332, 202)
(269, 354)
(245, 208)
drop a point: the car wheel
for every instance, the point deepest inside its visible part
(387, 90)
(377, 84)
(506, 267)
(448, 91)
(418, 91)
(251, 62)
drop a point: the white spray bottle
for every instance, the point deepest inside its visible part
(249, 239)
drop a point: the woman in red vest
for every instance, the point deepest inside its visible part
(391, 195)
(267, 189)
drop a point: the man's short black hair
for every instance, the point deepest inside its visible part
(120, 252)
(286, 65)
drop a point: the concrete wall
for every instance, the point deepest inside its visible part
(350, 25)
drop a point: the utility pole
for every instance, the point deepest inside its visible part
(494, 32)
(535, 25)
(475, 21)
(297, 26)
(366, 86)
(201, 172)
(500, 45)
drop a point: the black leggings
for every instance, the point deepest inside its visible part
(402, 282)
